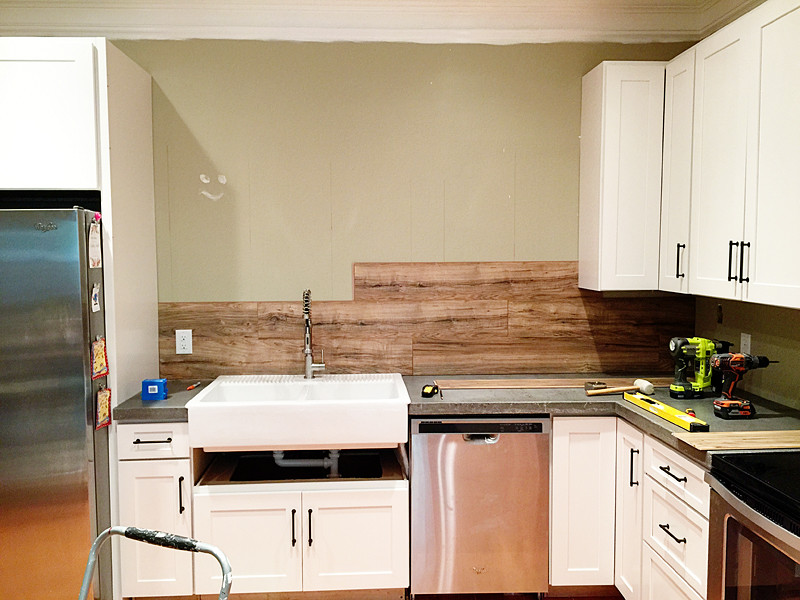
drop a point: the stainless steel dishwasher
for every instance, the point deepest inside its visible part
(480, 493)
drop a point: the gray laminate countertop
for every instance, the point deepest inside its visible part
(498, 402)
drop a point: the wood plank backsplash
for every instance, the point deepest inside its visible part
(436, 318)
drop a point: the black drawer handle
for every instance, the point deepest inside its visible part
(731, 244)
(310, 541)
(166, 441)
(671, 474)
(181, 507)
(294, 537)
(742, 278)
(678, 273)
(630, 478)
(665, 529)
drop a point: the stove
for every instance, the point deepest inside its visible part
(768, 482)
(754, 526)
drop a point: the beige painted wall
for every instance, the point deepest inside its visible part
(775, 334)
(337, 153)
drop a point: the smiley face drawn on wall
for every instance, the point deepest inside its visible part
(206, 180)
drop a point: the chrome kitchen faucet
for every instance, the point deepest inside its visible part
(311, 366)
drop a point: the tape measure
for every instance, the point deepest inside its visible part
(665, 411)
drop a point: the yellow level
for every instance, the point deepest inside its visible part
(673, 415)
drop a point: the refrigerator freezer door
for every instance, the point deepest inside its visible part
(46, 421)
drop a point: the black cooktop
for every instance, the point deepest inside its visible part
(769, 482)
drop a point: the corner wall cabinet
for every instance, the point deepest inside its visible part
(620, 176)
(676, 183)
(582, 501)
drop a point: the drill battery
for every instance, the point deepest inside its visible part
(734, 409)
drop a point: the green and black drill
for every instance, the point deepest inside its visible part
(695, 352)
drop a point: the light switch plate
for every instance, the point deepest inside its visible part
(183, 341)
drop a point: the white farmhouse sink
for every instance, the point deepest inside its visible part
(288, 412)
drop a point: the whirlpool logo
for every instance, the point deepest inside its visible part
(45, 227)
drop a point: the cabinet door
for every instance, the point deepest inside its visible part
(261, 534)
(155, 494)
(48, 114)
(676, 183)
(718, 161)
(620, 189)
(773, 177)
(582, 501)
(628, 539)
(660, 581)
(355, 539)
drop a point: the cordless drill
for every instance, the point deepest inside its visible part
(694, 353)
(733, 366)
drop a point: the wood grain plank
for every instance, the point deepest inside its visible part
(222, 337)
(464, 280)
(284, 320)
(543, 383)
(538, 355)
(741, 440)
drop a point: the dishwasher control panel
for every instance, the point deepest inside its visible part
(489, 426)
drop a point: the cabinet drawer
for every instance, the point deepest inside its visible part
(153, 440)
(677, 533)
(677, 474)
(660, 581)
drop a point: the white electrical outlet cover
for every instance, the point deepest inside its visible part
(744, 343)
(183, 341)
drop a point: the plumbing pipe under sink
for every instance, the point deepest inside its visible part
(331, 462)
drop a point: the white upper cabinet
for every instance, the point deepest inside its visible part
(620, 171)
(718, 157)
(48, 114)
(676, 183)
(745, 180)
(772, 212)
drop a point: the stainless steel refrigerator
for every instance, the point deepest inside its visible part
(54, 488)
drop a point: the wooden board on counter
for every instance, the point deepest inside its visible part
(741, 440)
(533, 384)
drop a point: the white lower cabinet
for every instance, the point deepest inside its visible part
(155, 494)
(280, 537)
(678, 533)
(582, 501)
(628, 540)
(259, 532)
(660, 581)
(661, 549)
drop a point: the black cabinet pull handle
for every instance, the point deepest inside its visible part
(166, 441)
(678, 273)
(294, 537)
(309, 528)
(731, 244)
(665, 528)
(181, 507)
(742, 278)
(671, 474)
(630, 478)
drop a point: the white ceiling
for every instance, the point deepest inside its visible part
(426, 21)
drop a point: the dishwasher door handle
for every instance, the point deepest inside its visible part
(481, 438)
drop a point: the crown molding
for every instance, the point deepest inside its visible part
(422, 21)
